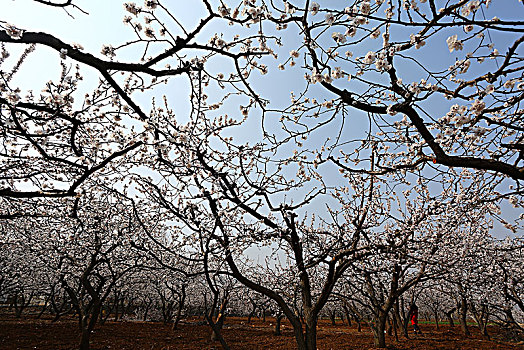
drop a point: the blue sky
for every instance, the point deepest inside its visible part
(103, 25)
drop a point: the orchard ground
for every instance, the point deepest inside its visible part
(32, 333)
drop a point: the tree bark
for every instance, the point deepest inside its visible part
(379, 328)
(449, 316)
(84, 340)
(46, 304)
(181, 304)
(332, 316)
(463, 316)
(278, 323)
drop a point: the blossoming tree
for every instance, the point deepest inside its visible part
(231, 165)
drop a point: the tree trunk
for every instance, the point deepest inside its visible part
(252, 313)
(348, 315)
(117, 310)
(463, 317)
(46, 304)
(482, 319)
(379, 328)
(299, 336)
(306, 340)
(217, 334)
(396, 323)
(181, 304)
(217, 326)
(18, 309)
(24, 302)
(311, 334)
(435, 313)
(332, 316)
(449, 316)
(87, 323)
(146, 311)
(84, 340)
(278, 324)
(399, 320)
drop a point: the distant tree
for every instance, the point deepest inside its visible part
(86, 253)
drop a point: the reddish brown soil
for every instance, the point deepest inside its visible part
(30, 333)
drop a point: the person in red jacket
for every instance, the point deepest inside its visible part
(414, 319)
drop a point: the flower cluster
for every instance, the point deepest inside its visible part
(318, 77)
(108, 50)
(381, 63)
(255, 12)
(151, 4)
(337, 73)
(365, 8)
(223, 11)
(339, 38)
(454, 43)
(289, 8)
(478, 107)
(330, 18)
(13, 32)
(417, 41)
(369, 58)
(13, 98)
(149, 32)
(470, 7)
(314, 8)
(216, 41)
(132, 8)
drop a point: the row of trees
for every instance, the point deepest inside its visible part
(104, 270)
(386, 171)
(101, 260)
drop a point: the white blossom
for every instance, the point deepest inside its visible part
(77, 46)
(330, 18)
(13, 98)
(132, 8)
(108, 50)
(390, 111)
(478, 107)
(316, 77)
(365, 8)
(314, 8)
(470, 7)
(337, 73)
(417, 41)
(290, 9)
(369, 58)
(351, 31)
(375, 33)
(149, 32)
(509, 84)
(223, 11)
(453, 43)
(338, 37)
(151, 4)
(13, 31)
